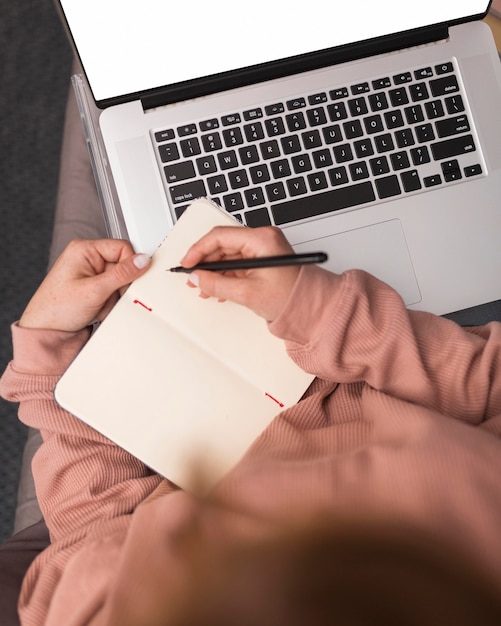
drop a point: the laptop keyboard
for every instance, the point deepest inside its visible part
(318, 153)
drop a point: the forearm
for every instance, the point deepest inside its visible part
(358, 329)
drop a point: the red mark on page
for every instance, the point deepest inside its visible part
(280, 404)
(143, 305)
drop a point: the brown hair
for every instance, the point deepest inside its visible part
(333, 573)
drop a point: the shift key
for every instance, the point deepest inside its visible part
(452, 147)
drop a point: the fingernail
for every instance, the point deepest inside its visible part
(193, 279)
(141, 261)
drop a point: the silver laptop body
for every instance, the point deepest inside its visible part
(383, 149)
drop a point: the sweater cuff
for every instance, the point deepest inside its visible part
(46, 352)
(310, 303)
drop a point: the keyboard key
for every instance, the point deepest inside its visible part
(358, 106)
(260, 174)
(454, 104)
(254, 132)
(419, 92)
(399, 97)
(227, 160)
(381, 83)
(373, 124)
(332, 134)
(338, 176)
(388, 187)
(444, 86)
(379, 166)
(187, 192)
(394, 119)
(424, 133)
(317, 181)
(248, 154)
(275, 191)
(337, 112)
(399, 161)
(384, 143)
(425, 72)
(343, 153)
(432, 181)
(378, 102)
(404, 138)
(420, 155)
(238, 179)
(270, 149)
(233, 202)
(472, 170)
(337, 94)
(206, 165)
(316, 117)
(230, 120)
(359, 170)
(280, 168)
(257, 217)
(322, 203)
(233, 137)
(253, 114)
(296, 186)
(295, 121)
(404, 77)
(434, 109)
(211, 142)
(179, 171)
(301, 163)
(317, 98)
(452, 147)
(274, 109)
(297, 103)
(311, 139)
(360, 88)
(168, 152)
(209, 124)
(451, 171)
(189, 129)
(322, 158)
(353, 129)
(414, 114)
(363, 148)
(453, 126)
(217, 184)
(164, 135)
(291, 144)
(444, 68)
(254, 197)
(410, 181)
(275, 126)
(190, 147)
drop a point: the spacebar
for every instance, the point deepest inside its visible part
(320, 203)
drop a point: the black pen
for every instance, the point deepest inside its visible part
(255, 262)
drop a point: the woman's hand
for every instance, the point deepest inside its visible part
(265, 290)
(84, 284)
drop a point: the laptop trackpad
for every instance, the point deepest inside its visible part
(379, 249)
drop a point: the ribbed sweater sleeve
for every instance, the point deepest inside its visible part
(354, 328)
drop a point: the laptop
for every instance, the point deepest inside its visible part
(359, 128)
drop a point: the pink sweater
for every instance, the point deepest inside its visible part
(403, 420)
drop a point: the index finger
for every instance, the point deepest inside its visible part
(225, 241)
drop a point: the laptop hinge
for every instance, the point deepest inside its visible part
(294, 65)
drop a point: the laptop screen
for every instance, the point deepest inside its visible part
(130, 46)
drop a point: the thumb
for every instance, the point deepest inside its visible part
(123, 273)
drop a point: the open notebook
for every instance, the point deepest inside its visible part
(176, 380)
